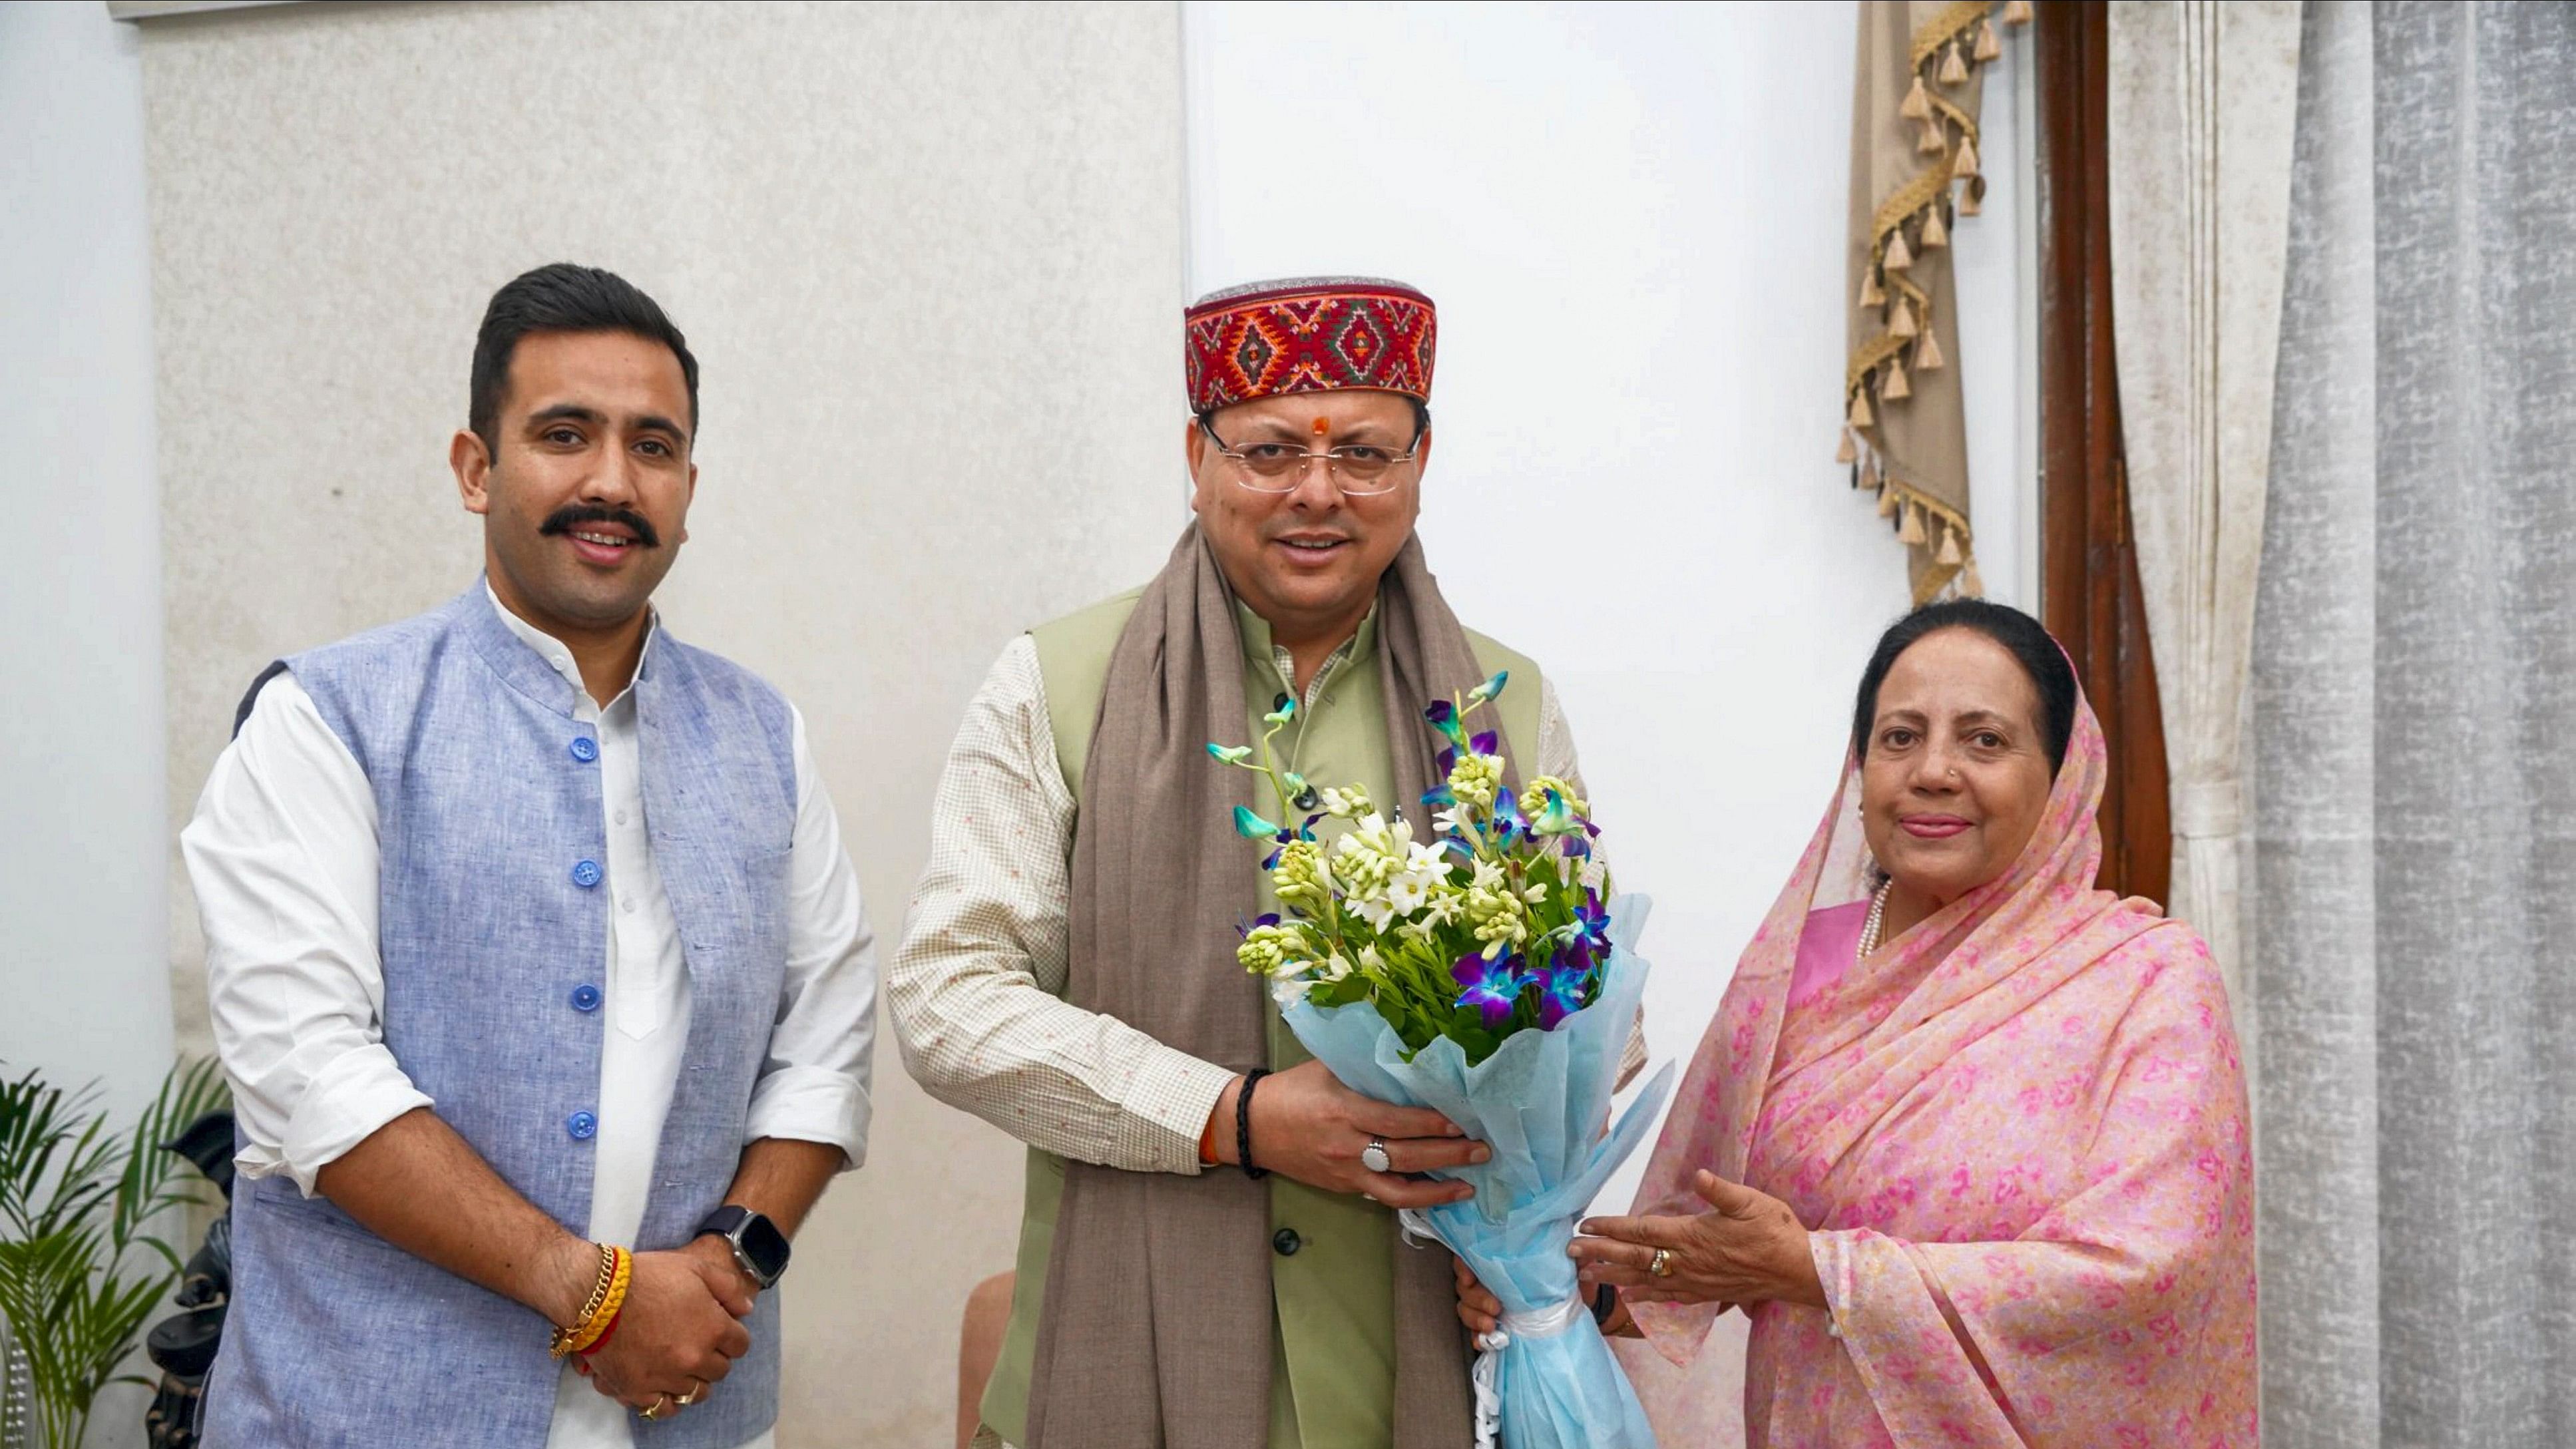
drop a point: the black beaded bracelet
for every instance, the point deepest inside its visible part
(1243, 1124)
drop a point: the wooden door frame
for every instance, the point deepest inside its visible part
(2089, 592)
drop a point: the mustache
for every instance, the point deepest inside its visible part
(574, 515)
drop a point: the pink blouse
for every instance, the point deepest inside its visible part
(1826, 949)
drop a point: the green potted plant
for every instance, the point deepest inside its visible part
(79, 1272)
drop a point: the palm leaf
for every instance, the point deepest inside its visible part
(79, 1272)
(143, 1188)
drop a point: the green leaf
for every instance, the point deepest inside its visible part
(79, 1275)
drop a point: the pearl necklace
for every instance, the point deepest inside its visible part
(1870, 928)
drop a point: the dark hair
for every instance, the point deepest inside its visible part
(562, 297)
(1421, 417)
(2021, 636)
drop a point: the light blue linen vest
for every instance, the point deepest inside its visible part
(494, 932)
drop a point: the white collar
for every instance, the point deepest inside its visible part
(555, 652)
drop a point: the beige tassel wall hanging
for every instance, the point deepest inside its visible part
(1915, 169)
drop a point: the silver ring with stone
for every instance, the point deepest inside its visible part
(1374, 1158)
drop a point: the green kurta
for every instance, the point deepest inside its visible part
(1332, 1273)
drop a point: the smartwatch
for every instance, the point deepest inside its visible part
(759, 1248)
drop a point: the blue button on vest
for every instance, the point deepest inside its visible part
(337, 1337)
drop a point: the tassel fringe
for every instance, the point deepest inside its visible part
(1968, 45)
(1918, 102)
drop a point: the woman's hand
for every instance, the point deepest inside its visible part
(1748, 1248)
(1482, 1312)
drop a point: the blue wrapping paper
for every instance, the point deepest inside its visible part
(1539, 1101)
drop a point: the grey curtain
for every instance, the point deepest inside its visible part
(2414, 724)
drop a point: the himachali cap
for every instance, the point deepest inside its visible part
(1308, 334)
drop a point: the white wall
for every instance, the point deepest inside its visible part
(1632, 219)
(84, 992)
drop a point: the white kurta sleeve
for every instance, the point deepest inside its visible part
(973, 990)
(1556, 757)
(283, 855)
(814, 1085)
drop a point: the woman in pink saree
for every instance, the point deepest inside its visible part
(1967, 1138)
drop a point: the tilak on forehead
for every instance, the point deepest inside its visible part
(1308, 334)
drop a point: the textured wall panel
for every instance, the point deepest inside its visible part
(930, 260)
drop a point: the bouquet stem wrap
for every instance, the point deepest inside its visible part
(1540, 1101)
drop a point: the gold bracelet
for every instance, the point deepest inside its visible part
(591, 1307)
(588, 1336)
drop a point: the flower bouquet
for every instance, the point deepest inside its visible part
(1486, 974)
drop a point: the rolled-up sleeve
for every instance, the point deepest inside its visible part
(282, 853)
(814, 1086)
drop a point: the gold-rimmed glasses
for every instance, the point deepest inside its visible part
(1358, 469)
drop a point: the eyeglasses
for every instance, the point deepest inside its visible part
(1358, 469)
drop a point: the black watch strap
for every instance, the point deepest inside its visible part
(759, 1248)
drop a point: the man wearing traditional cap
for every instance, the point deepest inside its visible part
(1206, 1256)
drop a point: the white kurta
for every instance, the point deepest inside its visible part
(283, 854)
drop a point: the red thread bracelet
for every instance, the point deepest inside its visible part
(605, 1334)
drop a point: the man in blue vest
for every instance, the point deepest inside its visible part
(534, 958)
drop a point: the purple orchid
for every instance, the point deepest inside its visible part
(1562, 989)
(1591, 929)
(1444, 718)
(1492, 987)
(1509, 828)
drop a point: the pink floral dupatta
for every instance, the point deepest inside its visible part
(2027, 1169)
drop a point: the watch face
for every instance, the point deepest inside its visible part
(765, 1246)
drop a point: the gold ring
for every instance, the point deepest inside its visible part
(1662, 1266)
(691, 1396)
(656, 1409)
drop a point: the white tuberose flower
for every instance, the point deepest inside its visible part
(1426, 869)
